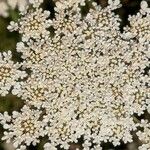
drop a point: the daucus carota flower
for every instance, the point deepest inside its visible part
(9, 72)
(25, 127)
(33, 24)
(86, 78)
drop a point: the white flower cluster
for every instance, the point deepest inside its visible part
(144, 135)
(87, 79)
(24, 128)
(33, 24)
(9, 72)
(5, 5)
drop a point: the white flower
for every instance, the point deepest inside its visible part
(144, 135)
(9, 72)
(114, 4)
(33, 91)
(33, 24)
(144, 7)
(35, 3)
(34, 52)
(13, 26)
(86, 79)
(24, 128)
(139, 26)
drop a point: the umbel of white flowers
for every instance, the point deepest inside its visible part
(87, 79)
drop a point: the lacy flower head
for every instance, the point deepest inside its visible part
(82, 79)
